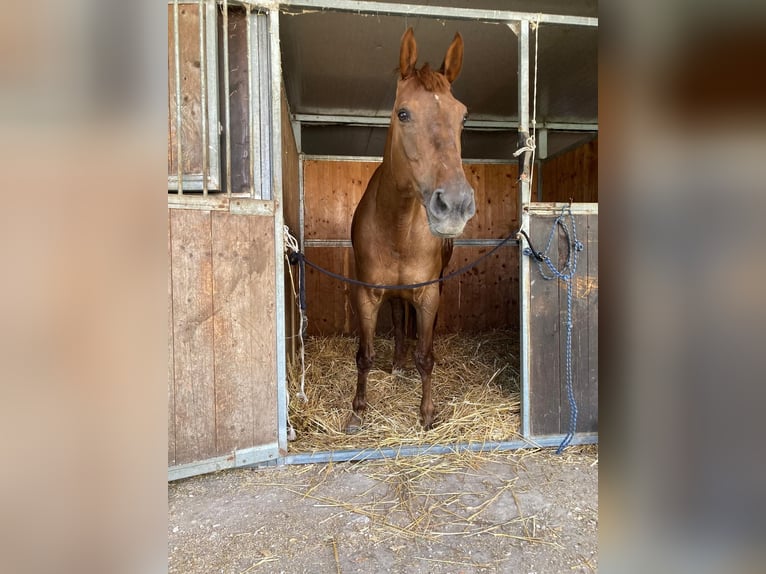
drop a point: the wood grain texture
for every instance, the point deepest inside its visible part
(331, 191)
(171, 377)
(191, 108)
(483, 298)
(329, 300)
(192, 284)
(545, 339)
(244, 325)
(572, 175)
(549, 404)
(291, 213)
(496, 191)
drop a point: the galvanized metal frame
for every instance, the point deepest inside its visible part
(521, 26)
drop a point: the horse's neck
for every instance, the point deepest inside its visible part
(398, 209)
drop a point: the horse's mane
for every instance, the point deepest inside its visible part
(430, 80)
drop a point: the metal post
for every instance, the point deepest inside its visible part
(275, 67)
(203, 92)
(524, 198)
(177, 62)
(227, 97)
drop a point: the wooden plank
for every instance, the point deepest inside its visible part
(588, 390)
(245, 331)
(329, 300)
(582, 285)
(235, 254)
(572, 175)
(291, 213)
(545, 338)
(171, 377)
(496, 190)
(484, 298)
(192, 284)
(191, 105)
(332, 189)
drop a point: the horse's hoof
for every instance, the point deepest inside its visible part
(397, 371)
(354, 424)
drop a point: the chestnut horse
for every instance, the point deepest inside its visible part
(416, 201)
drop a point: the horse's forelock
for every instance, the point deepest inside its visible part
(430, 80)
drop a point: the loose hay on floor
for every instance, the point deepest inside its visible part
(475, 392)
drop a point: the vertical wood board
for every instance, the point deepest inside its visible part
(572, 175)
(192, 284)
(191, 82)
(171, 377)
(549, 404)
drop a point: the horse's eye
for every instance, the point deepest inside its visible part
(403, 115)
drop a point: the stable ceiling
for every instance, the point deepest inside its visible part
(344, 64)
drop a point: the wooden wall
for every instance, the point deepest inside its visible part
(549, 407)
(291, 214)
(572, 174)
(482, 299)
(221, 334)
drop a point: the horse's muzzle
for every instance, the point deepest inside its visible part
(450, 209)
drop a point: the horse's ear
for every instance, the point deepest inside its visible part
(453, 61)
(408, 53)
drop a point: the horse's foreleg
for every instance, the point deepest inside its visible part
(367, 311)
(424, 352)
(400, 343)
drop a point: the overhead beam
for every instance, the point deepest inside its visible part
(385, 8)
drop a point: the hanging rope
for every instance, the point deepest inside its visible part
(291, 245)
(565, 274)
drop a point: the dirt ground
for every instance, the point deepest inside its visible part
(529, 512)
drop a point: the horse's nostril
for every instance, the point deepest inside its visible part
(439, 206)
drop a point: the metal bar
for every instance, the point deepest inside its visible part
(357, 455)
(203, 92)
(266, 90)
(384, 8)
(476, 124)
(236, 459)
(177, 62)
(456, 242)
(251, 59)
(524, 197)
(372, 158)
(211, 77)
(301, 205)
(554, 208)
(227, 96)
(275, 63)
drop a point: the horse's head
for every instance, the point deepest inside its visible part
(426, 124)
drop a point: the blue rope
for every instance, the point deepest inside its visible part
(566, 274)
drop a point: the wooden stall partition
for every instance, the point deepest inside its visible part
(291, 215)
(484, 298)
(548, 402)
(222, 341)
(572, 175)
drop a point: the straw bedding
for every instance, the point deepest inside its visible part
(475, 392)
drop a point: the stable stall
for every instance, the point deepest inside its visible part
(300, 93)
